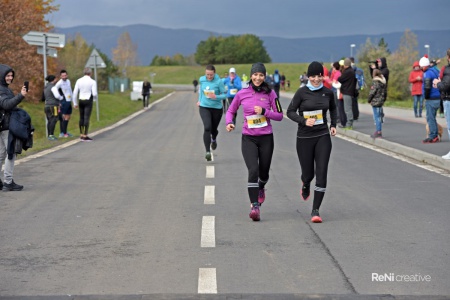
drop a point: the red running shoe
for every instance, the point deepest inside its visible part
(315, 217)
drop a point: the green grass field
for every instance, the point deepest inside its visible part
(186, 74)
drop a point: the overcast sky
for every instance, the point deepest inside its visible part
(283, 18)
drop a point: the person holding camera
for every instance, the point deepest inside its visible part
(8, 101)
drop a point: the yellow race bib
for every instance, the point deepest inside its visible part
(256, 121)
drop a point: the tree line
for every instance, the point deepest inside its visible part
(235, 49)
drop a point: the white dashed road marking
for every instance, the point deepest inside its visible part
(207, 281)
(209, 171)
(208, 238)
(209, 194)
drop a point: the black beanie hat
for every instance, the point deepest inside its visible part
(50, 78)
(315, 68)
(258, 67)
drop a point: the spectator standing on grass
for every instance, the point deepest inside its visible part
(51, 108)
(432, 99)
(65, 90)
(415, 78)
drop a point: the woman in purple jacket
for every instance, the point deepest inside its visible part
(260, 105)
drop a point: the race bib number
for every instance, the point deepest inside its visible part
(315, 114)
(256, 121)
(208, 93)
(233, 91)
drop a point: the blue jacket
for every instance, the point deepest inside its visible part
(430, 92)
(234, 86)
(215, 85)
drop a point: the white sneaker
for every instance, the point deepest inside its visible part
(447, 156)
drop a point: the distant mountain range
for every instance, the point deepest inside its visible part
(153, 40)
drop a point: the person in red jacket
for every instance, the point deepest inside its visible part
(415, 78)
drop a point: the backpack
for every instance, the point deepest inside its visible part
(276, 78)
(359, 74)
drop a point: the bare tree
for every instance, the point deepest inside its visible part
(125, 54)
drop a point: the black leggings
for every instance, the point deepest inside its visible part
(145, 99)
(85, 114)
(314, 153)
(211, 118)
(51, 112)
(257, 152)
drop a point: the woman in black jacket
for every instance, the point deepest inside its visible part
(309, 108)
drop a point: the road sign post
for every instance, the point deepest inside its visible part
(47, 42)
(95, 61)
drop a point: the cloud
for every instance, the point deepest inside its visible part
(287, 18)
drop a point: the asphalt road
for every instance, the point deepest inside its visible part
(126, 215)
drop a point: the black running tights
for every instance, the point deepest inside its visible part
(85, 114)
(51, 112)
(257, 152)
(211, 119)
(314, 153)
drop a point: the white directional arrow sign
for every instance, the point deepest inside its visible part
(53, 40)
(45, 40)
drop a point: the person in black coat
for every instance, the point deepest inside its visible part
(8, 101)
(146, 90)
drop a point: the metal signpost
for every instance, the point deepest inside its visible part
(46, 43)
(95, 61)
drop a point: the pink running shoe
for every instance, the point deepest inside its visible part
(261, 196)
(254, 213)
